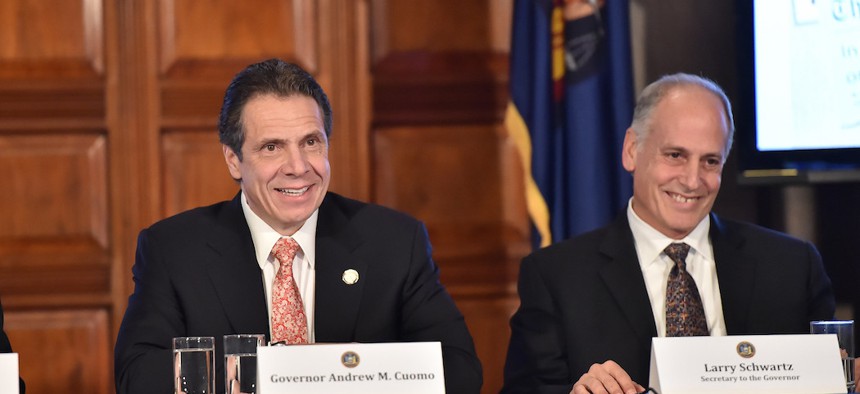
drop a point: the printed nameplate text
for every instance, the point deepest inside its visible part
(354, 368)
(784, 364)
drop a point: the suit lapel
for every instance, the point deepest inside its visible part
(734, 274)
(623, 278)
(235, 273)
(337, 303)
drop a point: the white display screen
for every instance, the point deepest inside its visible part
(807, 74)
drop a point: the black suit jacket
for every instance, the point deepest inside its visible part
(583, 301)
(6, 347)
(196, 274)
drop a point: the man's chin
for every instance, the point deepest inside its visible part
(684, 227)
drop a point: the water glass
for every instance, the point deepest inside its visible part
(844, 330)
(240, 362)
(194, 365)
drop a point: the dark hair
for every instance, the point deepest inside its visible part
(275, 77)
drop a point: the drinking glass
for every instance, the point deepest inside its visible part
(194, 365)
(240, 362)
(844, 330)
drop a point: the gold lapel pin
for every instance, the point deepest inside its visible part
(350, 276)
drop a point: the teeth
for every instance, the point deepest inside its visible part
(679, 198)
(293, 192)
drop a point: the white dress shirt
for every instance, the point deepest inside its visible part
(265, 237)
(656, 266)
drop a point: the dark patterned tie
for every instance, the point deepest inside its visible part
(685, 316)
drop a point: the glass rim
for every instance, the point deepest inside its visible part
(832, 322)
(244, 336)
(193, 338)
(190, 343)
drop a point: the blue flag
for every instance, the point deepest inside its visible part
(571, 103)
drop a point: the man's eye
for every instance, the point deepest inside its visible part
(312, 142)
(674, 155)
(269, 147)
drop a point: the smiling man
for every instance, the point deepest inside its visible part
(666, 267)
(285, 256)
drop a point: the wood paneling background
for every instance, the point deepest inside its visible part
(107, 124)
(108, 111)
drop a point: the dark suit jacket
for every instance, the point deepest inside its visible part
(196, 274)
(583, 301)
(6, 347)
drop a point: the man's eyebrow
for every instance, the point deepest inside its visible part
(316, 133)
(674, 148)
(277, 141)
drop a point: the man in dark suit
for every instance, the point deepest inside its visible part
(6, 347)
(363, 273)
(591, 305)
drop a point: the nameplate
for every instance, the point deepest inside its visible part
(354, 368)
(9, 373)
(784, 364)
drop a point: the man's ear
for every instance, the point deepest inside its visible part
(628, 151)
(232, 162)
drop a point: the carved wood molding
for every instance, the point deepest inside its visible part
(434, 88)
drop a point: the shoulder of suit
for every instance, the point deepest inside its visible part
(754, 232)
(195, 217)
(584, 243)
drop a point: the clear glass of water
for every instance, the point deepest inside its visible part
(240, 362)
(844, 330)
(194, 365)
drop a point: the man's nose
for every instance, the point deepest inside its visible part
(295, 162)
(690, 178)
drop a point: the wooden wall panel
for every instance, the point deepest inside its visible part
(202, 45)
(458, 180)
(438, 62)
(68, 199)
(115, 104)
(51, 64)
(194, 173)
(38, 106)
(59, 222)
(344, 73)
(63, 351)
(488, 322)
(449, 175)
(441, 153)
(439, 170)
(226, 35)
(55, 230)
(435, 26)
(464, 182)
(51, 39)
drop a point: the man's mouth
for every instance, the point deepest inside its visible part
(292, 192)
(682, 199)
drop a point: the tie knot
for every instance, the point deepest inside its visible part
(285, 250)
(677, 252)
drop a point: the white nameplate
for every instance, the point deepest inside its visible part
(9, 373)
(354, 368)
(784, 364)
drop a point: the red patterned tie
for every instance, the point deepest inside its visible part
(289, 323)
(685, 316)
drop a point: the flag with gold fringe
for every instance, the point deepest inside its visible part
(571, 100)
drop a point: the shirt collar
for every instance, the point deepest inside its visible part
(265, 237)
(650, 242)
